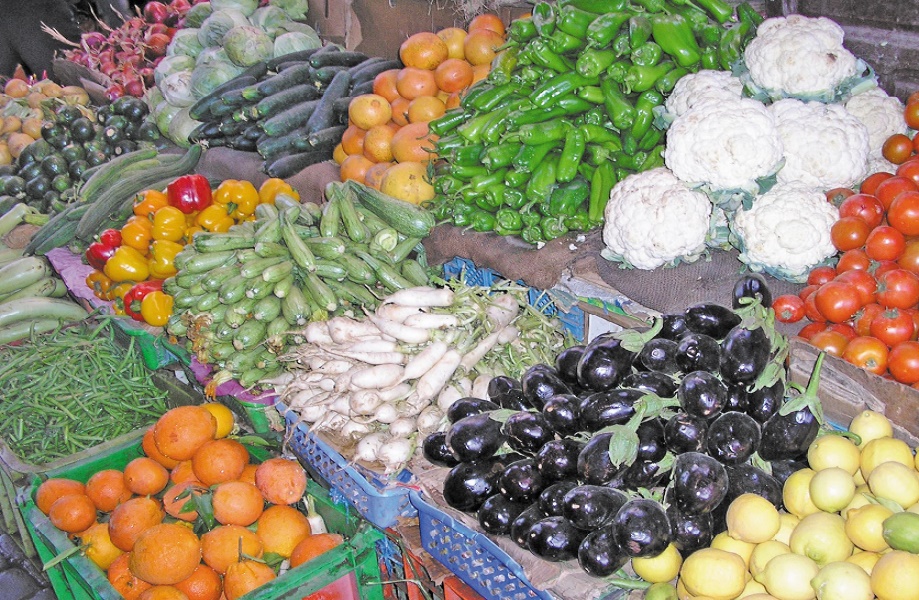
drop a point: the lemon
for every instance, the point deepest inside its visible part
(865, 527)
(753, 588)
(788, 524)
(788, 576)
(821, 537)
(896, 576)
(870, 425)
(752, 518)
(865, 560)
(760, 597)
(882, 450)
(658, 569)
(661, 591)
(901, 531)
(763, 553)
(225, 418)
(719, 574)
(833, 451)
(895, 481)
(725, 542)
(842, 581)
(796, 493)
(858, 500)
(914, 508)
(831, 489)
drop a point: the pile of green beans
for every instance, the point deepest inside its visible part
(71, 389)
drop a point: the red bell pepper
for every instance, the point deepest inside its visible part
(189, 193)
(134, 297)
(98, 253)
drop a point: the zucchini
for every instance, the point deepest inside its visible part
(250, 334)
(255, 267)
(202, 106)
(212, 281)
(285, 79)
(414, 272)
(185, 280)
(242, 143)
(223, 332)
(387, 275)
(23, 329)
(343, 195)
(242, 361)
(202, 263)
(276, 103)
(278, 326)
(330, 248)
(267, 309)
(234, 98)
(235, 319)
(220, 110)
(229, 128)
(290, 119)
(184, 300)
(330, 222)
(232, 291)
(43, 287)
(291, 164)
(258, 288)
(407, 219)
(327, 269)
(323, 116)
(207, 302)
(219, 242)
(295, 308)
(299, 251)
(23, 272)
(324, 76)
(221, 351)
(269, 249)
(282, 288)
(317, 288)
(360, 293)
(276, 273)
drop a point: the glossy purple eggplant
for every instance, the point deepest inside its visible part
(698, 352)
(527, 432)
(557, 460)
(599, 554)
(642, 528)
(733, 437)
(700, 482)
(604, 363)
(702, 394)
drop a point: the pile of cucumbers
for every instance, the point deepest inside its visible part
(292, 111)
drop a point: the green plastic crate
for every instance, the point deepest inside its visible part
(155, 350)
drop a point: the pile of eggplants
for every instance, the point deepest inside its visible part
(634, 440)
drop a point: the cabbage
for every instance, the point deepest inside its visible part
(206, 77)
(162, 116)
(153, 96)
(294, 42)
(197, 13)
(292, 26)
(295, 9)
(248, 45)
(212, 55)
(218, 24)
(177, 89)
(246, 7)
(172, 64)
(268, 19)
(185, 42)
(181, 127)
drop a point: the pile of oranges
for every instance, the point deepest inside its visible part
(387, 145)
(142, 524)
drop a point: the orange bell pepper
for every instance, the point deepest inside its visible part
(148, 202)
(169, 224)
(215, 218)
(240, 197)
(162, 258)
(100, 284)
(269, 190)
(127, 264)
(117, 294)
(137, 233)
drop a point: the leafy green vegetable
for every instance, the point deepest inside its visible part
(295, 9)
(247, 45)
(185, 42)
(293, 42)
(218, 24)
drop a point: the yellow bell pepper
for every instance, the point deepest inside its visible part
(240, 197)
(191, 231)
(148, 202)
(156, 308)
(215, 218)
(127, 264)
(169, 224)
(117, 294)
(162, 258)
(137, 233)
(269, 190)
(99, 283)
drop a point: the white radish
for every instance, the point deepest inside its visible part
(344, 330)
(432, 321)
(396, 392)
(447, 397)
(484, 346)
(403, 427)
(326, 384)
(317, 332)
(377, 377)
(343, 382)
(365, 402)
(396, 312)
(423, 296)
(313, 413)
(373, 358)
(430, 384)
(430, 419)
(370, 345)
(395, 452)
(386, 413)
(353, 430)
(502, 310)
(369, 446)
(508, 335)
(422, 362)
(279, 381)
(341, 404)
(465, 386)
(335, 367)
(403, 333)
(480, 386)
(303, 398)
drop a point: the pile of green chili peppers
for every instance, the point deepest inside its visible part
(567, 110)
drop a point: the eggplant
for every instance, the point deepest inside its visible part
(751, 285)
(555, 539)
(650, 381)
(558, 459)
(639, 474)
(434, 448)
(684, 432)
(642, 528)
(541, 382)
(599, 554)
(782, 469)
(660, 355)
(737, 398)
(700, 482)
(520, 527)
(765, 402)
(474, 437)
(711, 319)
(733, 437)
(562, 412)
(521, 481)
(589, 507)
(468, 406)
(788, 436)
(506, 392)
(698, 352)
(651, 443)
(469, 484)
(497, 514)
(527, 432)
(604, 363)
(744, 354)
(612, 407)
(748, 479)
(552, 499)
(594, 465)
(702, 394)
(566, 363)
(691, 532)
(673, 326)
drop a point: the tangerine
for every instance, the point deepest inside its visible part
(51, 489)
(281, 481)
(425, 109)
(219, 460)
(99, 546)
(412, 82)
(338, 154)
(352, 140)
(480, 72)
(131, 518)
(165, 554)
(124, 581)
(489, 21)
(400, 111)
(423, 50)
(453, 37)
(179, 502)
(414, 142)
(354, 167)
(313, 545)
(183, 472)
(374, 174)
(368, 110)
(226, 420)
(377, 144)
(163, 592)
(480, 46)
(248, 474)
(244, 576)
(73, 513)
(409, 182)
(237, 503)
(150, 449)
(281, 528)
(203, 584)
(145, 477)
(182, 430)
(384, 84)
(107, 489)
(221, 546)
(453, 75)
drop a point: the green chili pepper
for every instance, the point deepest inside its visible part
(442, 210)
(466, 172)
(596, 6)
(597, 134)
(572, 105)
(544, 17)
(639, 30)
(530, 219)
(448, 122)
(696, 16)
(621, 45)
(591, 63)
(578, 222)
(489, 201)
(553, 227)
(631, 162)
(596, 115)
(501, 155)
(446, 184)
(604, 28)
(556, 87)
(650, 139)
(710, 58)
(529, 157)
(516, 179)
(618, 70)
(514, 198)
(597, 154)
(545, 57)
(644, 112)
(508, 222)
(490, 99)
(675, 36)
(475, 91)
(567, 199)
(462, 213)
(735, 39)
(572, 152)
(563, 43)
(521, 30)
(709, 34)
(541, 133)
(652, 6)
(620, 110)
(586, 170)
(471, 130)
(628, 141)
(640, 79)
(647, 55)
(482, 220)
(654, 159)
(467, 155)
(532, 234)
(601, 184)
(496, 125)
(504, 63)
(720, 10)
(591, 93)
(543, 179)
(667, 82)
(574, 21)
(481, 183)
(746, 12)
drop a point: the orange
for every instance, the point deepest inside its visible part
(131, 518)
(73, 513)
(281, 481)
(124, 582)
(219, 460)
(150, 449)
(145, 477)
(177, 498)
(424, 50)
(400, 111)
(182, 430)
(384, 84)
(183, 472)
(99, 546)
(314, 545)
(414, 143)
(480, 72)
(408, 181)
(237, 503)
(248, 474)
(203, 584)
(352, 140)
(281, 528)
(453, 37)
(354, 167)
(374, 174)
(338, 154)
(220, 547)
(163, 592)
(368, 110)
(165, 554)
(425, 109)
(412, 82)
(453, 100)
(453, 75)
(52, 489)
(377, 143)
(489, 21)
(244, 576)
(107, 489)
(226, 420)
(480, 46)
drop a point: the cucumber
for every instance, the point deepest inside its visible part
(276, 103)
(201, 108)
(407, 219)
(234, 98)
(291, 164)
(109, 172)
(324, 76)
(272, 148)
(364, 87)
(367, 71)
(299, 55)
(285, 79)
(290, 119)
(326, 139)
(343, 58)
(323, 116)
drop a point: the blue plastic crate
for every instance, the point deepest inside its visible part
(471, 556)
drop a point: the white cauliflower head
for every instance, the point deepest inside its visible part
(799, 56)
(652, 219)
(725, 145)
(825, 146)
(883, 116)
(786, 232)
(703, 86)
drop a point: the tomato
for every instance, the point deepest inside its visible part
(865, 206)
(863, 281)
(837, 301)
(880, 267)
(808, 331)
(903, 213)
(871, 183)
(884, 243)
(898, 288)
(867, 352)
(864, 317)
(849, 233)
(811, 311)
(912, 98)
(853, 260)
(807, 291)
(909, 260)
(897, 148)
(903, 362)
(837, 196)
(915, 145)
(914, 313)
(821, 275)
(892, 326)
(831, 342)
(910, 170)
(911, 115)
(788, 308)
(892, 187)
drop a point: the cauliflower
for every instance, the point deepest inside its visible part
(786, 232)
(652, 219)
(703, 86)
(799, 56)
(725, 145)
(825, 146)
(883, 116)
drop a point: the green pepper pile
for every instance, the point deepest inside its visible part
(567, 110)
